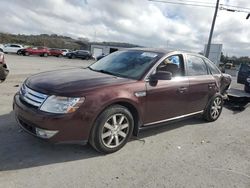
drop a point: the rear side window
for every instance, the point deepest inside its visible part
(196, 66)
(212, 67)
(244, 68)
(14, 46)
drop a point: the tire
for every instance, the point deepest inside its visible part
(1, 50)
(213, 109)
(45, 55)
(60, 55)
(112, 129)
(73, 57)
(26, 53)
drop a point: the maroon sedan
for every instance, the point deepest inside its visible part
(119, 95)
(4, 71)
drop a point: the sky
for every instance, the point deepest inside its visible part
(141, 22)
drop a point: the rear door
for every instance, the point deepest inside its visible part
(202, 85)
(219, 78)
(243, 73)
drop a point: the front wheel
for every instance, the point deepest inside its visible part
(213, 109)
(112, 129)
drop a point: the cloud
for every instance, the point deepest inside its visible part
(135, 21)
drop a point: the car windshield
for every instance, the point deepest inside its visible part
(128, 64)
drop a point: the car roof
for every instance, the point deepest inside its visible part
(164, 51)
(157, 50)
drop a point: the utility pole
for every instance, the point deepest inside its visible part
(248, 16)
(212, 29)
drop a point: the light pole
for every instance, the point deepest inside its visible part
(212, 29)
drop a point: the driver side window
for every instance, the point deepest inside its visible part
(173, 64)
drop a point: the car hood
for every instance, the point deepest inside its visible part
(71, 82)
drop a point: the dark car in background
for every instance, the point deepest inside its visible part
(56, 52)
(119, 95)
(100, 57)
(4, 71)
(244, 76)
(83, 54)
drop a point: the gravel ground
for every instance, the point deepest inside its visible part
(191, 153)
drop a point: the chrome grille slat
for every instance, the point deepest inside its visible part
(32, 97)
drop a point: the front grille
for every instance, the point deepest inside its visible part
(32, 97)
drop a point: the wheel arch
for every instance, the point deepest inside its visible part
(133, 110)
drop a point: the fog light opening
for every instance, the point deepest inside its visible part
(45, 133)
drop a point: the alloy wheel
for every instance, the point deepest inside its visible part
(115, 130)
(216, 107)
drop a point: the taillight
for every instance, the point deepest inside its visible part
(1, 58)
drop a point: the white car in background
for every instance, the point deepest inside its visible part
(10, 48)
(65, 51)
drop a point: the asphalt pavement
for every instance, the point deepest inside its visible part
(190, 153)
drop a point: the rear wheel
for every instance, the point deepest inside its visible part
(214, 108)
(45, 55)
(112, 129)
(26, 53)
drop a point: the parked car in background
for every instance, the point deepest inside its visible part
(65, 51)
(83, 54)
(128, 91)
(244, 76)
(4, 71)
(41, 51)
(11, 48)
(56, 52)
(228, 65)
(100, 57)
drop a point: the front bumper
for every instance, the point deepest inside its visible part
(63, 128)
(3, 72)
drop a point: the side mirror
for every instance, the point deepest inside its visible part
(161, 75)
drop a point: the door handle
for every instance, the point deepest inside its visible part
(211, 86)
(182, 89)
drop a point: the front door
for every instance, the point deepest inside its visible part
(167, 99)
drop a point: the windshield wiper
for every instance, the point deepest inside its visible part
(90, 68)
(106, 72)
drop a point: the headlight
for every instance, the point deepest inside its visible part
(61, 105)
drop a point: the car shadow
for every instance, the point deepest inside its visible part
(236, 108)
(158, 129)
(18, 150)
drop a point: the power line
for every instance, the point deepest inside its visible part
(179, 3)
(245, 8)
(188, 1)
(205, 5)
